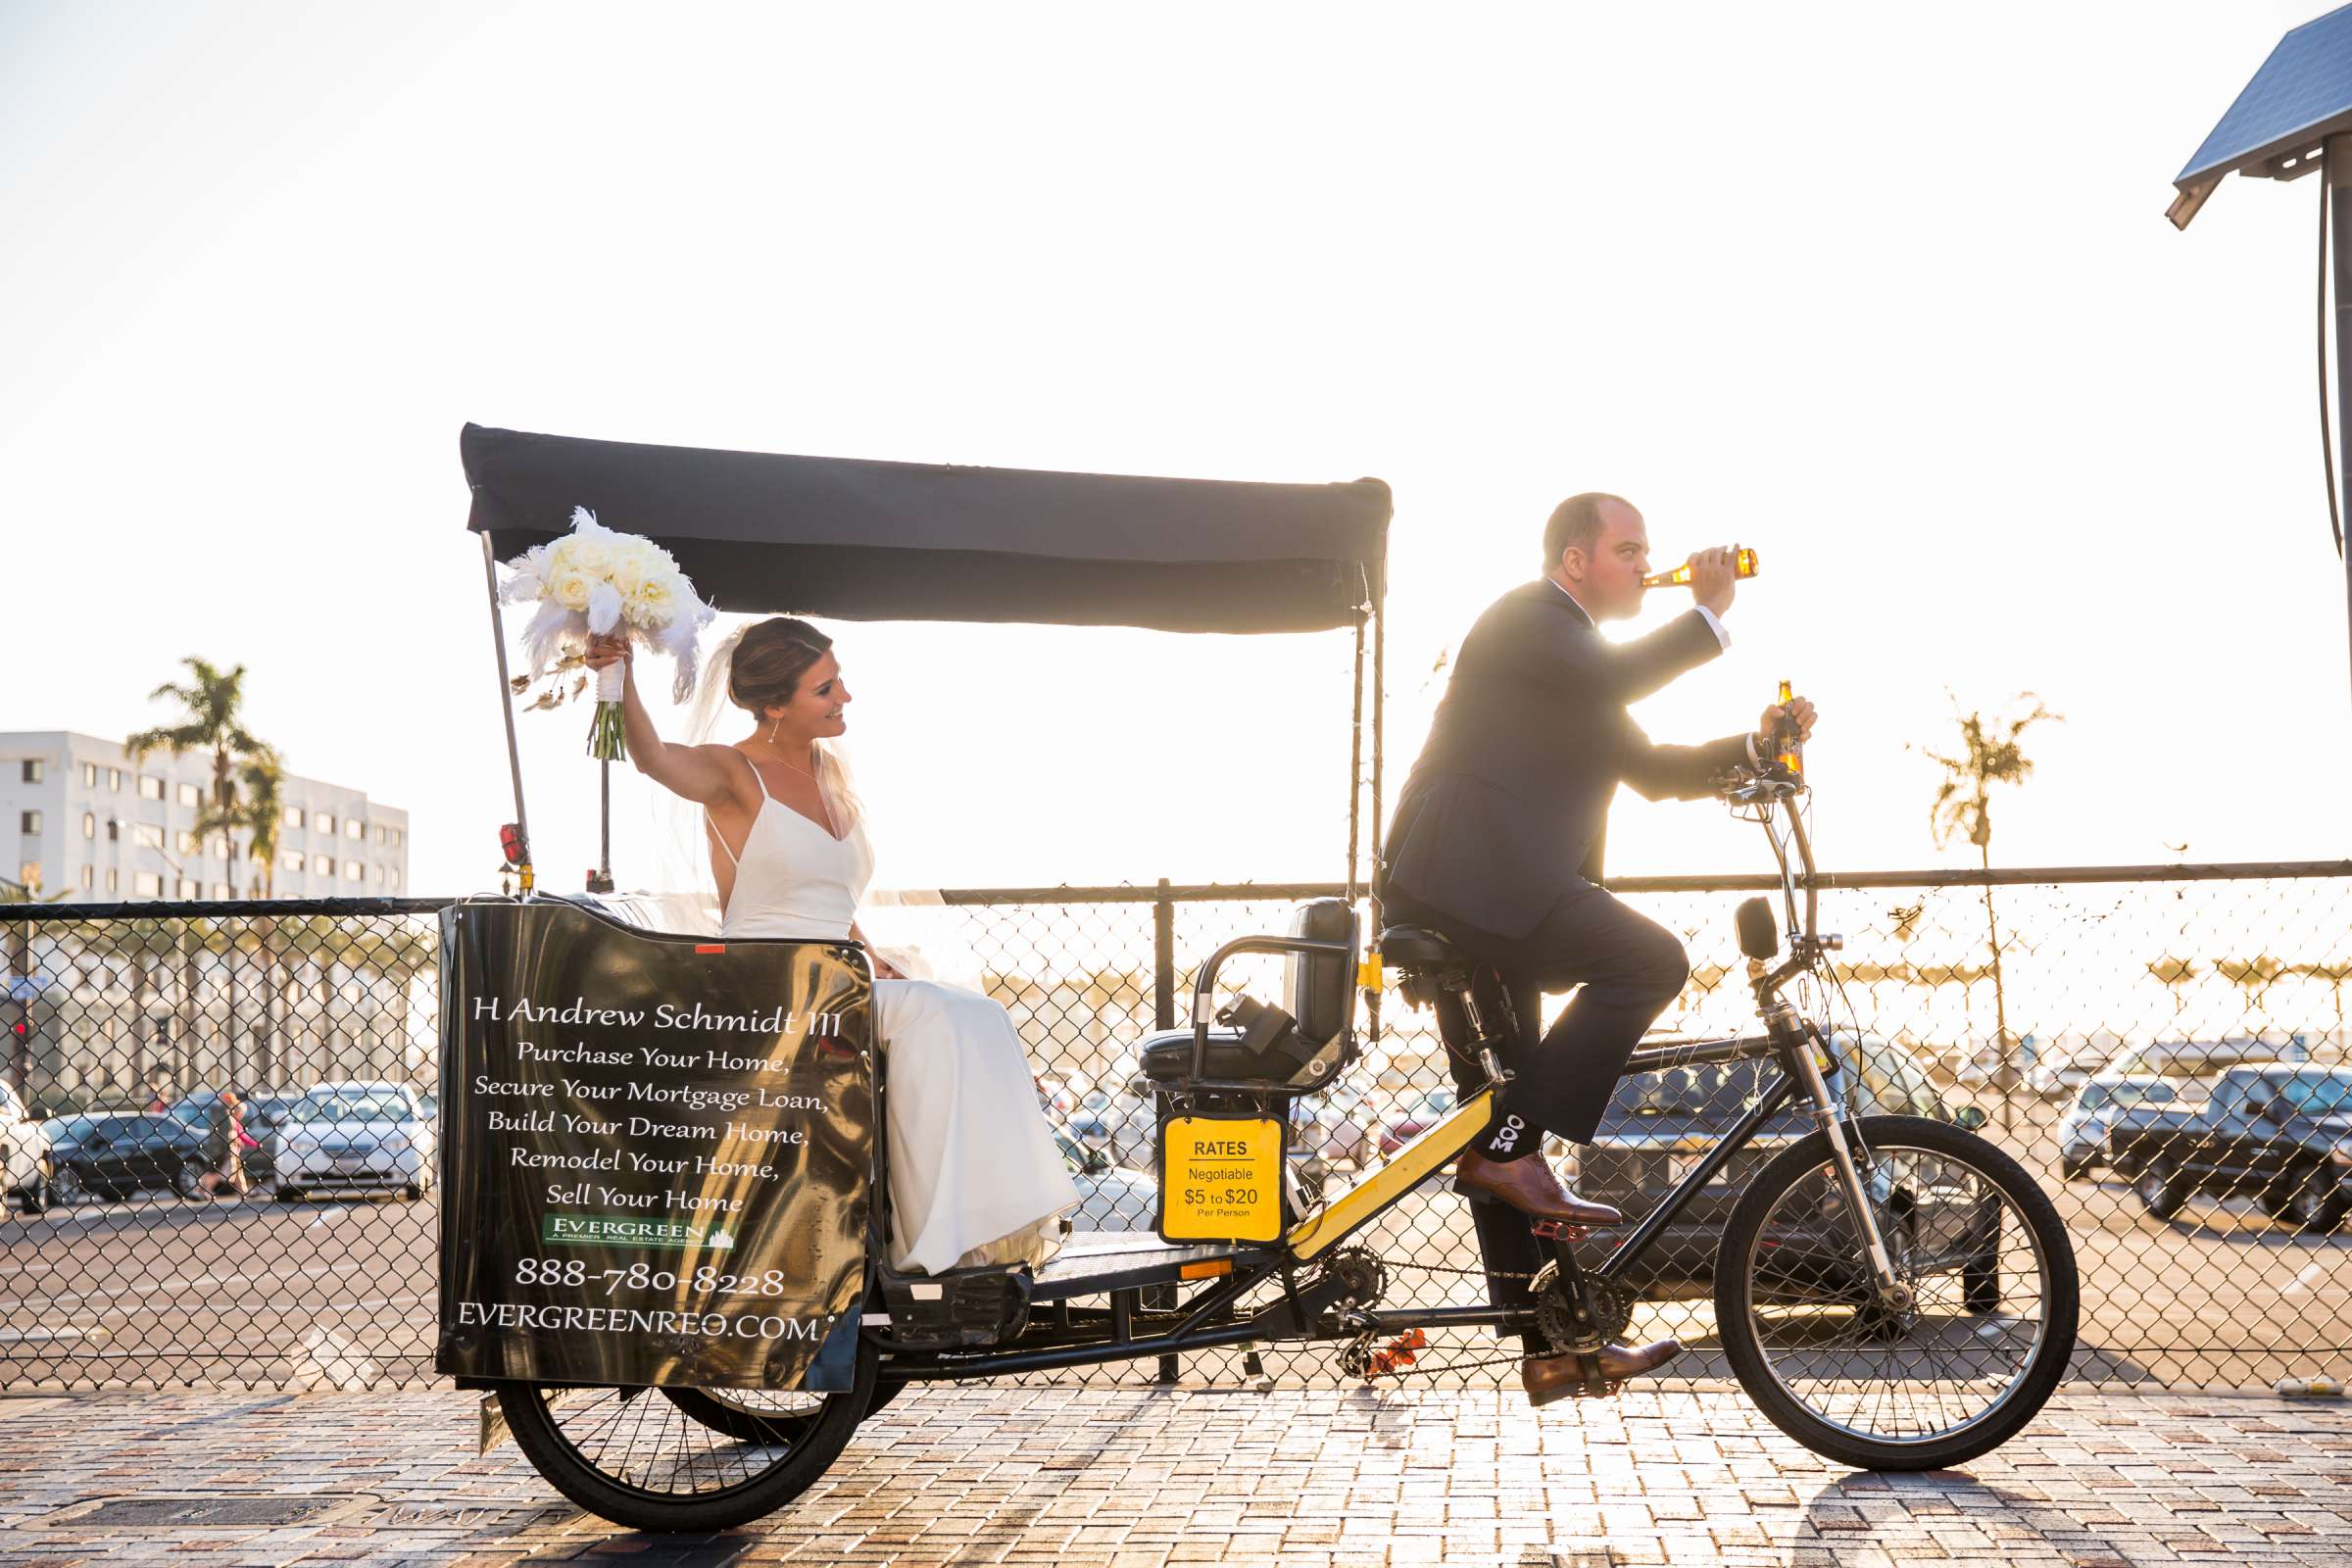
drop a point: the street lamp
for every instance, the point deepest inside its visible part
(2294, 118)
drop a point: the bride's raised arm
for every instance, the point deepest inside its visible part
(700, 773)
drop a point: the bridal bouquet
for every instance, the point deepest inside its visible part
(592, 581)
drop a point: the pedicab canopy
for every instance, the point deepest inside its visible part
(864, 540)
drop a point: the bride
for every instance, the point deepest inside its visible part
(974, 1174)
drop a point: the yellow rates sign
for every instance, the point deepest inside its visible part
(1220, 1179)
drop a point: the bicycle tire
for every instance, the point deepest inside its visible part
(1737, 1298)
(742, 1418)
(790, 1470)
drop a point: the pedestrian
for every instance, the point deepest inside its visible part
(225, 1143)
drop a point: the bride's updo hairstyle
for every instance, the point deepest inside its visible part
(765, 663)
(770, 658)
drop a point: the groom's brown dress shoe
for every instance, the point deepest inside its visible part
(1555, 1377)
(1531, 1186)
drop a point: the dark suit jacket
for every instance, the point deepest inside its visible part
(1508, 804)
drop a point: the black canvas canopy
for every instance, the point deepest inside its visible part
(865, 540)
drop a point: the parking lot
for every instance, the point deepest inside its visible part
(341, 1294)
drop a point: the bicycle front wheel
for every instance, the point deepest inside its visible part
(1965, 1352)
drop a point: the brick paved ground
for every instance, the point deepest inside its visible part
(1111, 1478)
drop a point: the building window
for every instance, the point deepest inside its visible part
(186, 842)
(355, 830)
(89, 824)
(113, 779)
(190, 795)
(324, 821)
(184, 888)
(396, 881)
(352, 871)
(114, 830)
(89, 775)
(89, 879)
(34, 769)
(151, 788)
(220, 849)
(146, 835)
(221, 890)
(31, 822)
(290, 860)
(379, 876)
(114, 880)
(398, 836)
(148, 885)
(293, 816)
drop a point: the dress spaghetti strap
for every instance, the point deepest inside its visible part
(711, 827)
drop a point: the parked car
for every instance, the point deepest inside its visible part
(1659, 1125)
(1332, 1136)
(1415, 1116)
(110, 1156)
(2083, 1130)
(356, 1136)
(1109, 1199)
(23, 1155)
(2281, 1132)
(1123, 1126)
(2060, 1074)
(2201, 1059)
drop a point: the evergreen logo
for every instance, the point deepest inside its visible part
(628, 1230)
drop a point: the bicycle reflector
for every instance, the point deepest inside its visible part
(510, 844)
(1760, 938)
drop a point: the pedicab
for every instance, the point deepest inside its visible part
(662, 1255)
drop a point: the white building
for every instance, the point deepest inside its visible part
(77, 815)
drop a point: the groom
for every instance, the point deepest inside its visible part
(1497, 843)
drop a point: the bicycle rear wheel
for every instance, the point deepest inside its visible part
(1903, 1385)
(684, 1459)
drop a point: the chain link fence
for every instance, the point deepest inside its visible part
(2165, 1049)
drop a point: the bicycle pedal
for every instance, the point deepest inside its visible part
(1556, 1230)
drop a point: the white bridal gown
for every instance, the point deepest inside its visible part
(974, 1173)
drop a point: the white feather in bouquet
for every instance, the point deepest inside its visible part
(592, 581)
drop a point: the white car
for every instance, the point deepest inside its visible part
(23, 1155)
(352, 1137)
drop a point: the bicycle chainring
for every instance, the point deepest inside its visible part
(1612, 1307)
(1363, 1278)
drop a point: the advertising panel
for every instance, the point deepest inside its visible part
(657, 1150)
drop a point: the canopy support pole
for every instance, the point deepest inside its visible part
(1379, 643)
(1355, 762)
(505, 707)
(2338, 175)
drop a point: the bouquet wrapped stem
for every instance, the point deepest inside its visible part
(608, 730)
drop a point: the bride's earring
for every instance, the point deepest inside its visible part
(772, 728)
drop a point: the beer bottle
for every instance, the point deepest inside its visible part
(1743, 566)
(1791, 754)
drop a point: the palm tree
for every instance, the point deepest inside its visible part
(213, 719)
(1990, 754)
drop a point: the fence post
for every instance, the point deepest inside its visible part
(1164, 1016)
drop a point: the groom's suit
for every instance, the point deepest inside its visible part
(1496, 843)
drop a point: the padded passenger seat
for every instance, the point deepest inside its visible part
(1167, 1058)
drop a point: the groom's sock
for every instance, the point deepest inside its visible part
(1510, 1135)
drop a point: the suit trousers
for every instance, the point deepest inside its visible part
(1626, 968)
(1629, 969)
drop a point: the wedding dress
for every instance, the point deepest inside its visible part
(974, 1174)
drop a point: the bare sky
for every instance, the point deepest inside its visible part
(1885, 292)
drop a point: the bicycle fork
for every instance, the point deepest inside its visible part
(1799, 1049)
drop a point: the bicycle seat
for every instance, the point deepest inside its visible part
(1409, 946)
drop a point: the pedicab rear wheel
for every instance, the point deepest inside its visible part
(668, 1463)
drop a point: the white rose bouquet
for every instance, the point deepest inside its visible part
(591, 582)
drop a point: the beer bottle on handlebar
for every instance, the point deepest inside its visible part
(1790, 750)
(1743, 565)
